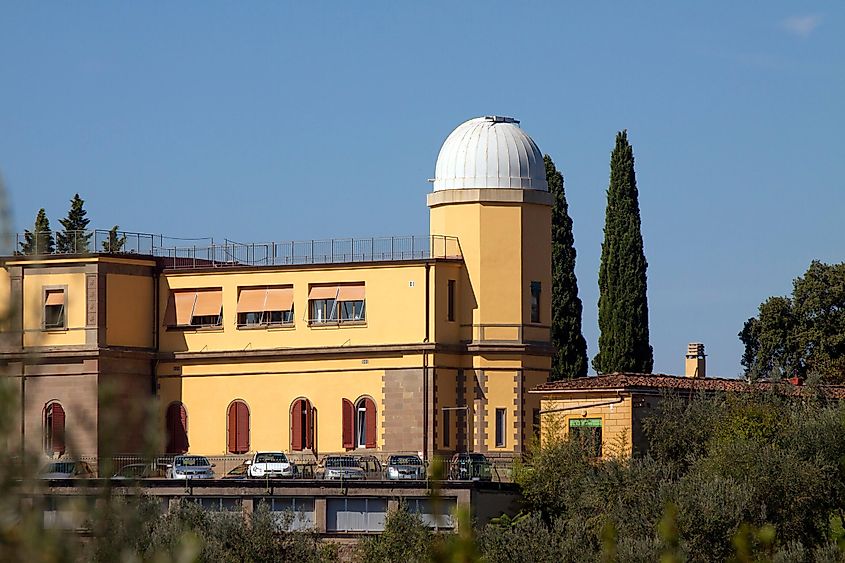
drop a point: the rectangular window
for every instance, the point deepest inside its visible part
(195, 308)
(265, 306)
(500, 427)
(350, 514)
(447, 428)
(450, 304)
(337, 303)
(54, 308)
(535, 302)
(292, 513)
(535, 419)
(588, 432)
(437, 516)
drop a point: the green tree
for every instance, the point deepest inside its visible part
(115, 241)
(623, 301)
(40, 239)
(803, 334)
(74, 237)
(570, 358)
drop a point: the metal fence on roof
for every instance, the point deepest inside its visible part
(208, 253)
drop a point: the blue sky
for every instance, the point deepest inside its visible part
(272, 121)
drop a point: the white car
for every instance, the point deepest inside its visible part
(269, 465)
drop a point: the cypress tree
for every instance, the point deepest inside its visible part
(74, 238)
(623, 303)
(570, 357)
(40, 239)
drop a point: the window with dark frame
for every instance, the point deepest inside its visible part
(265, 306)
(450, 303)
(535, 302)
(447, 428)
(588, 432)
(501, 415)
(54, 309)
(337, 304)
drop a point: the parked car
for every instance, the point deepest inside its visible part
(470, 467)
(265, 465)
(142, 471)
(404, 467)
(370, 465)
(68, 469)
(238, 472)
(340, 467)
(190, 467)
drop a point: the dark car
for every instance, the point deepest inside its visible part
(470, 467)
(401, 467)
(141, 471)
(238, 472)
(340, 467)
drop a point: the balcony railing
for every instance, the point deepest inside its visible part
(173, 253)
(332, 251)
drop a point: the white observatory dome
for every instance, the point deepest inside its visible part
(490, 152)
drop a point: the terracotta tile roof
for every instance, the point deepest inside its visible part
(632, 381)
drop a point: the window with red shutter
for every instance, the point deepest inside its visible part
(177, 428)
(308, 424)
(296, 426)
(243, 427)
(348, 413)
(238, 428)
(370, 421)
(54, 429)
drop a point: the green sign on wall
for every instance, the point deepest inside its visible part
(582, 422)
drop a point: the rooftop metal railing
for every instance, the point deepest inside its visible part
(208, 253)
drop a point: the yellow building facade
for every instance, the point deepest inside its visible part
(406, 344)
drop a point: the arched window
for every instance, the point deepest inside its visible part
(359, 423)
(54, 429)
(301, 425)
(238, 428)
(176, 421)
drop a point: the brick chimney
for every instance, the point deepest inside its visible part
(696, 360)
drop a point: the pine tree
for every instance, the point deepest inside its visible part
(115, 241)
(570, 358)
(40, 239)
(74, 238)
(623, 303)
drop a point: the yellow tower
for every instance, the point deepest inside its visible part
(490, 192)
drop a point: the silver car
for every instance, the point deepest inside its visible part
(404, 467)
(340, 467)
(190, 467)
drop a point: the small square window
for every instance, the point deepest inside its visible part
(588, 432)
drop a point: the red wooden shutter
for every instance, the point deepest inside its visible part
(58, 429)
(309, 424)
(183, 430)
(243, 427)
(232, 430)
(370, 421)
(348, 424)
(177, 429)
(296, 426)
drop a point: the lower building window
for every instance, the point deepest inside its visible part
(501, 416)
(588, 432)
(355, 514)
(54, 429)
(447, 428)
